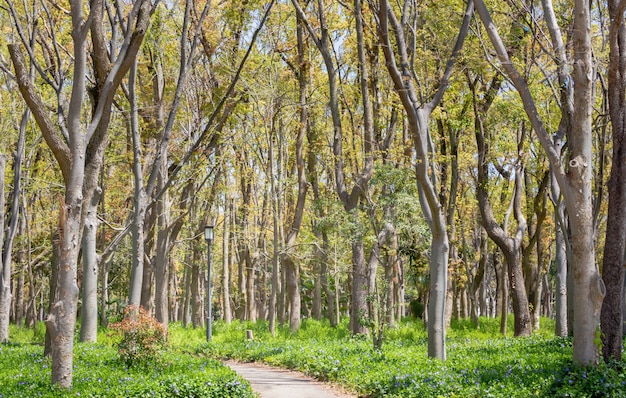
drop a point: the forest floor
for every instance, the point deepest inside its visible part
(280, 383)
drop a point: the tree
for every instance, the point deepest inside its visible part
(399, 66)
(5, 277)
(11, 231)
(573, 179)
(511, 246)
(349, 197)
(70, 143)
(611, 317)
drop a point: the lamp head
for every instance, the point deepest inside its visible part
(208, 232)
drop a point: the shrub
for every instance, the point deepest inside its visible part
(142, 337)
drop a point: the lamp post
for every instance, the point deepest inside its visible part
(208, 236)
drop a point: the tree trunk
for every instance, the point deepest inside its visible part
(560, 259)
(174, 302)
(19, 298)
(104, 295)
(197, 318)
(316, 302)
(7, 256)
(359, 287)
(291, 268)
(251, 310)
(502, 294)
(293, 292)
(226, 311)
(5, 274)
(615, 244)
(533, 265)
(331, 304)
(161, 261)
(89, 308)
(185, 316)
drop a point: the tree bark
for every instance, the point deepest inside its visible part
(89, 308)
(197, 319)
(611, 317)
(226, 311)
(161, 260)
(502, 295)
(5, 275)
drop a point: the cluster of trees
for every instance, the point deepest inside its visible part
(353, 156)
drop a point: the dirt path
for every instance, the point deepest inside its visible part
(280, 383)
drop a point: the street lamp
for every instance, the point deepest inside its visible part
(208, 236)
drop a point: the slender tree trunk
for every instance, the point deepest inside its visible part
(173, 282)
(291, 267)
(19, 298)
(390, 278)
(89, 308)
(147, 279)
(502, 293)
(5, 274)
(186, 311)
(104, 294)
(533, 265)
(331, 304)
(316, 304)
(226, 311)
(251, 309)
(197, 318)
(5, 277)
(161, 261)
(560, 259)
(7, 243)
(615, 246)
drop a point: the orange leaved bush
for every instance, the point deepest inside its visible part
(142, 336)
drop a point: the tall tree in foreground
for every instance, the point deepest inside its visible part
(574, 177)
(611, 317)
(398, 60)
(69, 139)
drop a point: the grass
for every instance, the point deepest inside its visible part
(98, 371)
(480, 363)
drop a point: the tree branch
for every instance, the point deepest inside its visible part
(49, 131)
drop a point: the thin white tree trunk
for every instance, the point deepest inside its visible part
(227, 313)
(89, 308)
(161, 262)
(5, 275)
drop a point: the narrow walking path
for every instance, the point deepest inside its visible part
(280, 383)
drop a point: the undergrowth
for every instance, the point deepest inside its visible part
(480, 363)
(100, 372)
